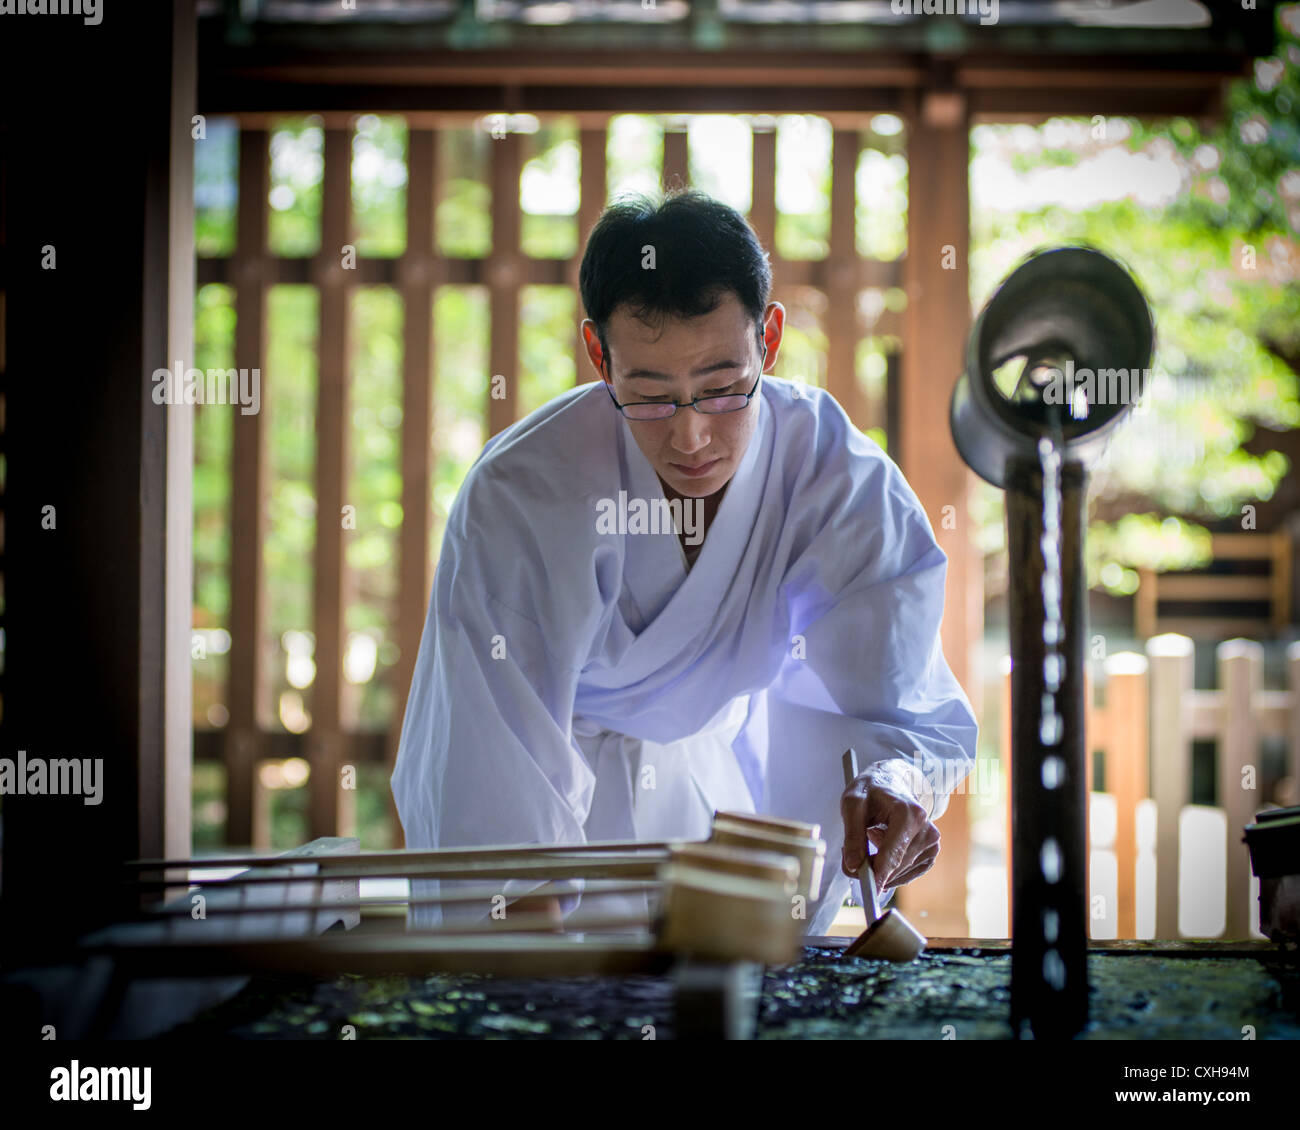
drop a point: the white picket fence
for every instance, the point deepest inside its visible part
(1160, 866)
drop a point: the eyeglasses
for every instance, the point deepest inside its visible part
(710, 405)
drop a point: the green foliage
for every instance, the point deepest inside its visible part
(289, 393)
(634, 154)
(881, 204)
(374, 487)
(461, 391)
(548, 196)
(548, 336)
(1217, 263)
(297, 165)
(462, 223)
(803, 221)
(214, 336)
(1115, 550)
(379, 149)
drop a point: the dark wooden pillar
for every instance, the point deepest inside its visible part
(329, 705)
(98, 282)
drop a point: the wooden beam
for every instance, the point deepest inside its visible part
(1213, 588)
(292, 270)
(367, 747)
(810, 56)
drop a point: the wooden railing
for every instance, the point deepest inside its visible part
(1254, 598)
(1145, 728)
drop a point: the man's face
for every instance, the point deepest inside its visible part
(694, 453)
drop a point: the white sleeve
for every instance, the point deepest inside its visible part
(486, 753)
(870, 648)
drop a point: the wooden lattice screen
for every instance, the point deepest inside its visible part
(252, 270)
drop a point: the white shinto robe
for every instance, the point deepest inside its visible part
(559, 664)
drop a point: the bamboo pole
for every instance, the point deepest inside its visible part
(415, 855)
(467, 898)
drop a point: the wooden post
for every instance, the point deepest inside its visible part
(1126, 772)
(332, 429)
(505, 274)
(1241, 673)
(762, 212)
(416, 574)
(98, 303)
(1170, 674)
(1144, 604)
(592, 143)
(842, 273)
(677, 166)
(937, 321)
(249, 689)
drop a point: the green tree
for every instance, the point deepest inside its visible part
(1220, 266)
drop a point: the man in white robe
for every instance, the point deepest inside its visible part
(587, 672)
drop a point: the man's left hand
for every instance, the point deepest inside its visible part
(882, 805)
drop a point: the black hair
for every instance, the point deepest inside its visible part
(702, 248)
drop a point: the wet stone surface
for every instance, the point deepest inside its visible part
(961, 994)
(442, 1006)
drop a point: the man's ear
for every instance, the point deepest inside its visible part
(591, 342)
(773, 331)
